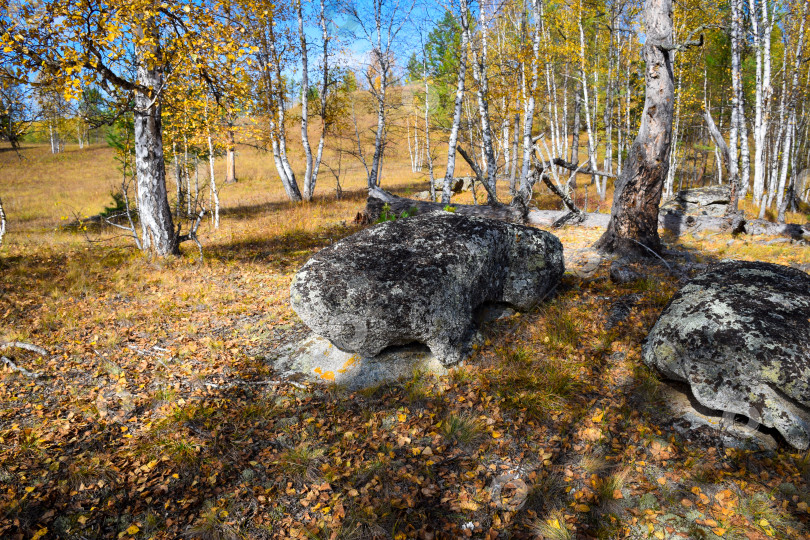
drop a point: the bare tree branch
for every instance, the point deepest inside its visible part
(479, 176)
(24, 346)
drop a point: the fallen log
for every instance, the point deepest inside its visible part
(673, 222)
(377, 198)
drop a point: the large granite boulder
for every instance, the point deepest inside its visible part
(803, 186)
(739, 335)
(704, 201)
(421, 280)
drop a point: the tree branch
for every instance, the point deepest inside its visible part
(479, 175)
(688, 44)
(574, 167)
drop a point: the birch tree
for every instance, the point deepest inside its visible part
(2, 223)
(313, 165)
(737, 113)
(585, 99)
(271, 45)
(761, 25)
(530, 89)
(381, 32)
(131, 48)
(458, 102)
(479, 58)
(788, 152)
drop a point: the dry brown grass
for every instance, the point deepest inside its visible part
(89, 305)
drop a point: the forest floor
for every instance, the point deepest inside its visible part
(155, 412)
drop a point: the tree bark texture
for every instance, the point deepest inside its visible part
(157, 229)
(634, 215)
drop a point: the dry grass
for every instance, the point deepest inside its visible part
(90, 304)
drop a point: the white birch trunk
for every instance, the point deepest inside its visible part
(178, 178)
(776, 146)
(457, 109)
(761, 27)
(211, 174)
(791, 148)
(307, 194)
(737, 116)
(276, 108)
(157, 229)
(429, 156)
(324, 90)
(2, 222)
(230, 155)
(515, 143)
(382, 62)
(528, 120)
(482, 91)
(586, 101)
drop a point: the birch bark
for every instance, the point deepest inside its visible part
(2, 222)
(761, 26)
(312, 178)
(457, 107)
(528, 120)
(157, 229)
(736, 109)
(585, 98)
(482, 91)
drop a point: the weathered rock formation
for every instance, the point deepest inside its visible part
(421, 280)
(318, 359)
(803, 186)
(457, 185)
(703, 201)
(739, 335)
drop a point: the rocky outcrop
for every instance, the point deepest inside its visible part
(803, 186)
(739, 336)
(421, 280)
(457, 185)
(704, 201)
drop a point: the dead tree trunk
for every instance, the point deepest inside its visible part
(718, 139)
(634, 216)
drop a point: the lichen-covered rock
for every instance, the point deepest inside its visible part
(420, 280)
(803, 186)
(704, 201)
(739, 335)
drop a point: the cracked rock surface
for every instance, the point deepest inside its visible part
(421, 280)
(739, 335)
